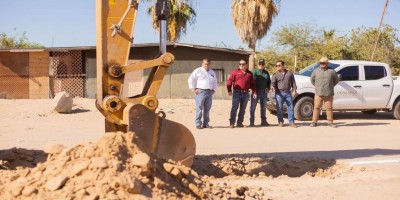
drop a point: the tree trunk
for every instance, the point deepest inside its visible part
(251, 57)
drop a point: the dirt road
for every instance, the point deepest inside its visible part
(358, 160)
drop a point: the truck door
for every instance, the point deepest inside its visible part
(377, 86)
(348, 92)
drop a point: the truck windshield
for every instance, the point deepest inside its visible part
(308, 70)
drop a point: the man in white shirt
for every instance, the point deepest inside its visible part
(203, 82)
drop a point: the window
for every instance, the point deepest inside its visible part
(308, 70)
(349, 73)
(220, 75)
(374, 72)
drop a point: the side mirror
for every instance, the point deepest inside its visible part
(340, 77)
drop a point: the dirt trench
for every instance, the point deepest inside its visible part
(115, 167)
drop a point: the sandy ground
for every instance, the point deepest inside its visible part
(358, 160)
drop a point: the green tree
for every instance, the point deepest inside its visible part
(181, 14)
(7, 41)
(308, 43)
(299, 40)
(328, 35)
(396, 66)
(271, 55)
(362, 42)
(252, 20)
(329, 45)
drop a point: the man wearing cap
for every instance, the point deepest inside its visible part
(203, 82)
(263, 83)
(324, 79)
(241, 81)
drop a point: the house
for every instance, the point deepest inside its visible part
(41, 73)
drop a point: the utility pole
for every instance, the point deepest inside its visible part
(379, 30)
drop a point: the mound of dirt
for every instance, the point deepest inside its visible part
(114, 167)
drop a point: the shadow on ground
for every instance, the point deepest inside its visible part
(292, 164)
(13, 158)
(79, 110)
(338, 115)
(360, 115)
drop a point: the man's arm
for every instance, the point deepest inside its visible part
(253, 85)
(335, 78)
(192, 80)
(214, 82)
(230, 81)
(293, 82)
(273, 83)
(312, 78)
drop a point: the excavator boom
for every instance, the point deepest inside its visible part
(163, 138)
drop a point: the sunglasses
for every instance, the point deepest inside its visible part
(323, 63)
(278, 65)
(242, 63)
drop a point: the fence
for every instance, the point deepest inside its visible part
(14, 86)
(67, 73)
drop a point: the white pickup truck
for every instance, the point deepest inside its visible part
(364, 86)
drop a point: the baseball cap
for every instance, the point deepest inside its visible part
(261, 62)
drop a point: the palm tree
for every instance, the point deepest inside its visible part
(328, 35)
(181, 14)
(252, 20)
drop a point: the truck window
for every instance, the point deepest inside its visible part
(308, 70)
(349, 73)
(374, 72)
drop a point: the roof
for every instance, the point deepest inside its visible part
(176, 44)
(173, 44)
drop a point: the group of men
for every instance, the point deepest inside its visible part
(244, 84)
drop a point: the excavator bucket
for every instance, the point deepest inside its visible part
(164, 138)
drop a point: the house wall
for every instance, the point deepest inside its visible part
(24, 75)
(175, 82)
(30, 74)
(14, 74)
(39, 75)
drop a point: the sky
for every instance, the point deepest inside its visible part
(55, 23)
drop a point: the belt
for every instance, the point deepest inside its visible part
(205, 89)
(242, 91)
(283, 90)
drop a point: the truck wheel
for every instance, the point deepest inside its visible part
(369, 112)
(396, 110)
(303, 110)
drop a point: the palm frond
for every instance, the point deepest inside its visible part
(253, 18)
(181, 15)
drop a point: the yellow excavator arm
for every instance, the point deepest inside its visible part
(163, 138)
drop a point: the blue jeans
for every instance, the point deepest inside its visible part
(203, 105)
(284, 97)
(238, 99)
(262, 97)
